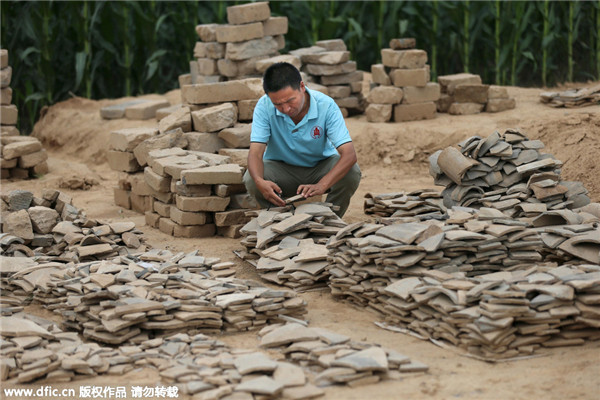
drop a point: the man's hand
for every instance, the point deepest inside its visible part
(271, 192)
(311, 190)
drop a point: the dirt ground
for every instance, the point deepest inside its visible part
(393, 157)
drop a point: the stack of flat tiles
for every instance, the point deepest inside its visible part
(200, 366)
(335, 358)
(112, 301)
(185, 189)
(21, 157)
(51, 229)
(477, 281)
(34, 348)
(403, 91)
(464, 94)
(232, 51)
(506, 172)
(421, 204)
(290, 244)
(572, 98)
(328, 64)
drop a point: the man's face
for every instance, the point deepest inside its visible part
(289, 101)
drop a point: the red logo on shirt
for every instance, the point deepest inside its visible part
(316, 132)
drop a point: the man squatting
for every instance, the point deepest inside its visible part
(299, 144)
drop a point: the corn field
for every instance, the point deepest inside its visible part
(111, 49)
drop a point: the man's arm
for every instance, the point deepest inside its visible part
(339, 170)
(269, 189)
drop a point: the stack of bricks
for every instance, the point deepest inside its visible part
(403, 86)
(138, 109)
(328, 63)
(177, 180)
(21, 156)
(464, 94)
(231, 51)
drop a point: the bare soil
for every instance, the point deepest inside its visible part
(393, 157)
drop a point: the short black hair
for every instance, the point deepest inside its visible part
(281, 75)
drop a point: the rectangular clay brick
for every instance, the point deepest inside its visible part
(9, 114)
(192, 190)
(32, 159)
(128, 139)
(213, 50)
(207, 32)
(145, 110)
(194, 231)
(213, 119)
(348, 102)
(237, 156)
(379, 112)
(465, 108)
(234, 217)
(20, 148)
(328, 70)
(122, 198)
(339, 91)
(410, 59)
(497, 105)
(246, 109)
(232, 231)
(156, 181)
(207, 142)
(122, 161)
(444, 102)
(207, 93)
(152, 219)
(5, 164)
(189, 217)
(239, 33)
(414, 94)
(40, 169)
(247, 13)
(342, 78)
(3, 58)
(228, 190)
(471, 93)
(165, 197)
(117, 111)
(403, 43)
(207, 66)
(414, 112)
(410, 77)
(265, 46)
(141, 204)
(165, 225)
(211, 203)
(449, 82)
(225, 174)
(497, 92)
(139, 185)
(332, 44)
(5, 95)
(237, 136)
(162, 209)
(275, 26)
(379, 75)
(5, 77)
(385, 95)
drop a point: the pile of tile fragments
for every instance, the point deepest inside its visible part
(290, 244)
(51, 229)
(587, 96)
(35, 348)
(506, 172)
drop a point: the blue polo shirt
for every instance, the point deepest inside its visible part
(314, 139)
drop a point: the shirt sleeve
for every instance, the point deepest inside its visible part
(337, 132)
(261, 129)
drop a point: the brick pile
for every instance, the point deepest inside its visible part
(506, 172)
(464, 94)
(403, 90)
(328, 69)
(183, 191)
(21, 157)
(232, 51)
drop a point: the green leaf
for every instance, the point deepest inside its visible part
(80, 61)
